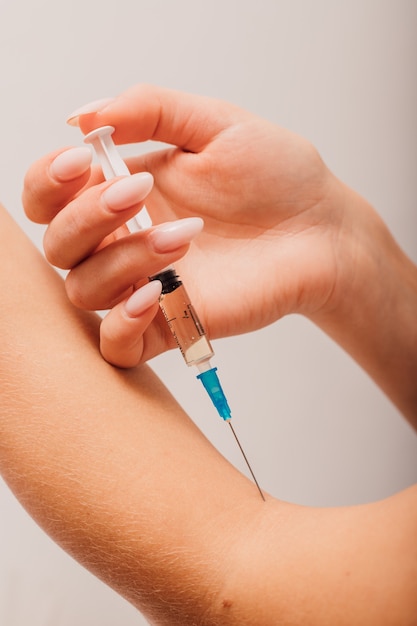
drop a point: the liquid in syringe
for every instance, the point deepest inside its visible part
(174, 302)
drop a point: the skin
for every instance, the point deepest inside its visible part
(273, 213)
(102, 457)
(305, 243)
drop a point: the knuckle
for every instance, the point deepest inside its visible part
(32, 199)
(49, 249)
(75, 292)
(55, 250)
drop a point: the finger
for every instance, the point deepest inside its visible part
(146, 112)
(103, 279)
(78, 229)
(53, 181)
(122, 341)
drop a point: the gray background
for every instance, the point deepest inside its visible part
(341, 73)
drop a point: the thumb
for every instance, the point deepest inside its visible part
(146, 112)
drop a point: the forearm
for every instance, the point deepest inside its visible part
(104, 460)
(372, 313)
(110, 466)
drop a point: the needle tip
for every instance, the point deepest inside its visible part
(246, 460)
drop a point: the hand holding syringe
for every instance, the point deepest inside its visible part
(175, 304)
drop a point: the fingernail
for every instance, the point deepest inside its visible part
(128, 191)
(172, 235)
(70, 164)
(143, 298)
(91, 107)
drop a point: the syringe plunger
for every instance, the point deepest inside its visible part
(174, 302)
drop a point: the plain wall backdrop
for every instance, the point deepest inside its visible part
(342, 73)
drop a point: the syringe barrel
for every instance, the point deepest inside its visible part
(182, 318)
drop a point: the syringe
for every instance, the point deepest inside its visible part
(174, 301)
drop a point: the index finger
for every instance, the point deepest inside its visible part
(145, 112)
(52, 181)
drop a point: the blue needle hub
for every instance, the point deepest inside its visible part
(214, 389)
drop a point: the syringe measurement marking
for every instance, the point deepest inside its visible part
(113, 165)
(187, 315)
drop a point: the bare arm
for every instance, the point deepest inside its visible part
(372, 311)
(111, 467)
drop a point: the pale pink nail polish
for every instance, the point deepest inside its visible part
(172, 235)
(70, 164)
(128, 191)
(143, 298)
(91, 107)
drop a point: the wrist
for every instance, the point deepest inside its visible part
(372, 309)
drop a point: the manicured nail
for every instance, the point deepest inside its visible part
(172, 235)
(70, 164)
(143, 298)
(91, 107)
(128, 191)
